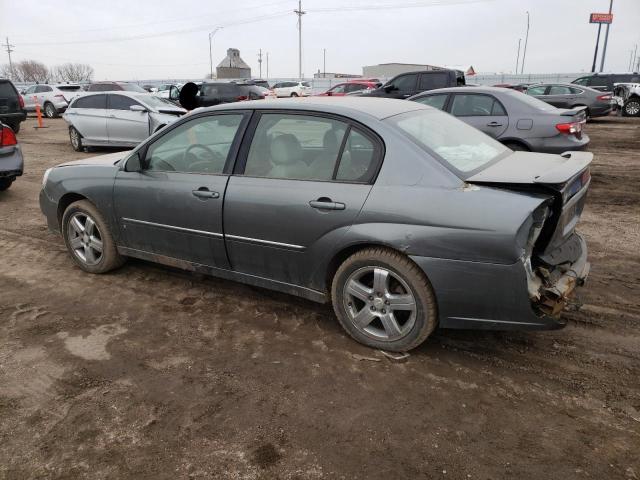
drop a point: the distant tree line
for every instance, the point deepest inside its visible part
(32, 71)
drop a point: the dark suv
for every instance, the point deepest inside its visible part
(604, 81)
(114, 86)
(12, 110)
(214, 93)
(408, 84)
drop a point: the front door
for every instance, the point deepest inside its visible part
(89, 117)
(482, 111)
(300, 187)
(125, 126)
(173, 206)
(560, 96)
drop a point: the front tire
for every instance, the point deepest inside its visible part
(631, 108)
(88, 238)
(294, 94)
(50, 111)
(383, 300)
(5, 183)
(76, 139)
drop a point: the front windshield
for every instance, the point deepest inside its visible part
(155, 102)
(461, 147)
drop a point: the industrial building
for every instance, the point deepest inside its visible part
(388, 70)
(233, 66)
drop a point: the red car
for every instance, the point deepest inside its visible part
(342, 89)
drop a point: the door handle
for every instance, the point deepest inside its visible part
(325, 203)
(494, 124)
(112, 116)
(205, 193)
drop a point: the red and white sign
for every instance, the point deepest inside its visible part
(601, 18)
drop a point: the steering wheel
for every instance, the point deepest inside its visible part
(205, 165)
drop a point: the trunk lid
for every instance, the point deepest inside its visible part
(566, 176)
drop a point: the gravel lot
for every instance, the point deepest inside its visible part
(153, 373)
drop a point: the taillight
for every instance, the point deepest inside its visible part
(21, 101)
(7, 137)
(242, 98)
(604, 98)
(585, 177)
(569, 128)
(62, 97)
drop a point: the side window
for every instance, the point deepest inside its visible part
(498, 110)
(47, 89)
(200, 145)
(576, 91)
(559, 90)
(30, 90)
(536, 90)
(431, 81)
(598, 81)
(300, 147)
(405, 83)
(338, 89)
(358, 160)
(435, 101)
(91, 101)
(581, 81)
(469, 105)
(121, 102)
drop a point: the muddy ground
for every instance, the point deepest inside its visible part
(152, 373)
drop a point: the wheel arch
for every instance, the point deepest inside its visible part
(66, 200)
(518, 141)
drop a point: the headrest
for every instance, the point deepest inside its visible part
(285, 149)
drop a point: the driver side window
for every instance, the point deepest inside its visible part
(201, 145)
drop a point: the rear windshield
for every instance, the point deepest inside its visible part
(69, 88)
(462, 148)
(7, 91)
(529, 100)
(132, 87)
(214, 89)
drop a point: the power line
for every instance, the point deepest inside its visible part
(397, 6)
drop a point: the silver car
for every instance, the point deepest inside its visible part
(401, 216)
(53, 99)
(117, 119)
(519, 121)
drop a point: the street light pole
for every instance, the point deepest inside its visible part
(211, 34)
(518, 56)
(299, 12)
(526, 40)
(606, 38)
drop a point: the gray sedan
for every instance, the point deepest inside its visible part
(117, 119)
(519, 121)
(563, 95)
(401, 216)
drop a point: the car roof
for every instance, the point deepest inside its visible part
(379, 108)
(480, 89)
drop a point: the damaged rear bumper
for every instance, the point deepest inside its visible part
(488, 296)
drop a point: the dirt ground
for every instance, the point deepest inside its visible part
(152, 373)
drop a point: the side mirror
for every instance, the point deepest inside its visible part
(329, 93)
(137, 108)
(389, 88)
(174, 93)
(134, 164)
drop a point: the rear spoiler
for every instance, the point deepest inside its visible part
(579, 113)
(576, 162)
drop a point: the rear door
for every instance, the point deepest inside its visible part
(89, 117)
(482, 111)
(173, 206)
(433, 80)
(560, 96)
(300, 184)
(29, 98)
(124, 126)
(402, 86)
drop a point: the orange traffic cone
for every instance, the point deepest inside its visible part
(38, 114)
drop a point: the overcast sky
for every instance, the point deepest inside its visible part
(162, 39)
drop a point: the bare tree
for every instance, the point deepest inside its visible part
(30, 71)
(72, 72)
(7, 72)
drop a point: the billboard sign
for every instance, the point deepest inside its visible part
(601, 18)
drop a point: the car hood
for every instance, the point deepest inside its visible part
(534, 168)
(107, 160)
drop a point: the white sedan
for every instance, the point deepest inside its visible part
(292, 89)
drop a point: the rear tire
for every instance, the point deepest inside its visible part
(631, 108)
(294, 94)
(50, 110)
(384, 300)
(88, 238)
(516, 147)
(5, 183)
(76, 139)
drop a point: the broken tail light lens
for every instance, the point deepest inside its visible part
(572, 128)
(7, 137)
(605, 98)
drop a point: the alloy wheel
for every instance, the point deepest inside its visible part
(379, 303)
(50, 111)
(85, 238)
(632, 108)
(75, 138)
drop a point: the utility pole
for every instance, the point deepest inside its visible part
(606, 38)
(526, 40)
(260, 62)
(633, 62)
(9, 50)
(595, 53)
(299, 12)
(324, 63)
(629, 68)
(518, 56)
(267, 65)
(211, 34)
